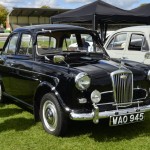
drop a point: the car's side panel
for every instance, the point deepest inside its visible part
(23, 82)
(135, 55)
(126, 53)
(117, 52)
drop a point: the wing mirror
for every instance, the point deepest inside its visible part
(58, 59)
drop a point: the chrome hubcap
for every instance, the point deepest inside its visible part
(50, 115)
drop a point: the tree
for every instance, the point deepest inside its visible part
(143, 4)
(45, 6)
(3, 15)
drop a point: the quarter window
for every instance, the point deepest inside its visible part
(26, 45)
(11, 45)
(118, 42)
(138, 42)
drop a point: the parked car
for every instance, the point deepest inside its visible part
(88, 41)
(1, 30)
(38, 69)
(131, 43)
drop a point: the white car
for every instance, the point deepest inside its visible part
(89, 40)
(131, 43)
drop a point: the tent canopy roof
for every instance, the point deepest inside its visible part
(103, 12)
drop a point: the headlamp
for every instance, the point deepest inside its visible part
(82, 81)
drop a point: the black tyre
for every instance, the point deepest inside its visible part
(52, 116)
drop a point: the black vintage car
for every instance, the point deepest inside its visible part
(40, 69)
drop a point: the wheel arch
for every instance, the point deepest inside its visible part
(42, 89)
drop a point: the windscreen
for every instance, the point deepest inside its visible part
(55, 42)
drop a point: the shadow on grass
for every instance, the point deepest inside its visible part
(102, 132)
(5, 103)
(17, 124)
(9, 112)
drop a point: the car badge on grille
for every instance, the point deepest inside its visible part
(124, 77)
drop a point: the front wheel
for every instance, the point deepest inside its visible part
(52, 116)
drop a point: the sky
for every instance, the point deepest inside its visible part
(69, 4)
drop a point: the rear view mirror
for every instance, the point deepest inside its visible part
(147, 55)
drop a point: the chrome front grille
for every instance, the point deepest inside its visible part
(122, 82)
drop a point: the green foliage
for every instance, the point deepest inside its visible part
(18, 131)
(45, 6)
(3, 15)
(143, 4)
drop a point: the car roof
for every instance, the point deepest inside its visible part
(52, 27)
(135, 28)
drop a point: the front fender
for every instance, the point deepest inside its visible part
(43, 88)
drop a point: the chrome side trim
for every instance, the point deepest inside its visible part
(18, 100)
(34, 72)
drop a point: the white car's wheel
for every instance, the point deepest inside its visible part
(52, 116)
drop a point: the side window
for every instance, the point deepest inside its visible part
(11, 45)
(138, 42)
(118, 42)
(26, 45)
(70, 43)
(78, 42)
(46, 44)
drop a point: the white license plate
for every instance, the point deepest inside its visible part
(126, 119)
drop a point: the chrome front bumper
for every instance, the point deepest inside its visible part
(95, 115)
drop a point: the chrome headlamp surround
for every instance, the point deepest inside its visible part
(82, 81)
(148, 75)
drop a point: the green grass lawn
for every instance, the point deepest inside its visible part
(19, 132)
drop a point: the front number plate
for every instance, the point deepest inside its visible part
(126, 119)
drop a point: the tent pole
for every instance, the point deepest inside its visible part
(102, 31)
(94, 22)
(105, 30)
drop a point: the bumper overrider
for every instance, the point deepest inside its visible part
(95, 115)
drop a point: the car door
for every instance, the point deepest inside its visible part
(16, 67)
(137, 47)
(22, 82)
(116, 45)
(6, 60)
